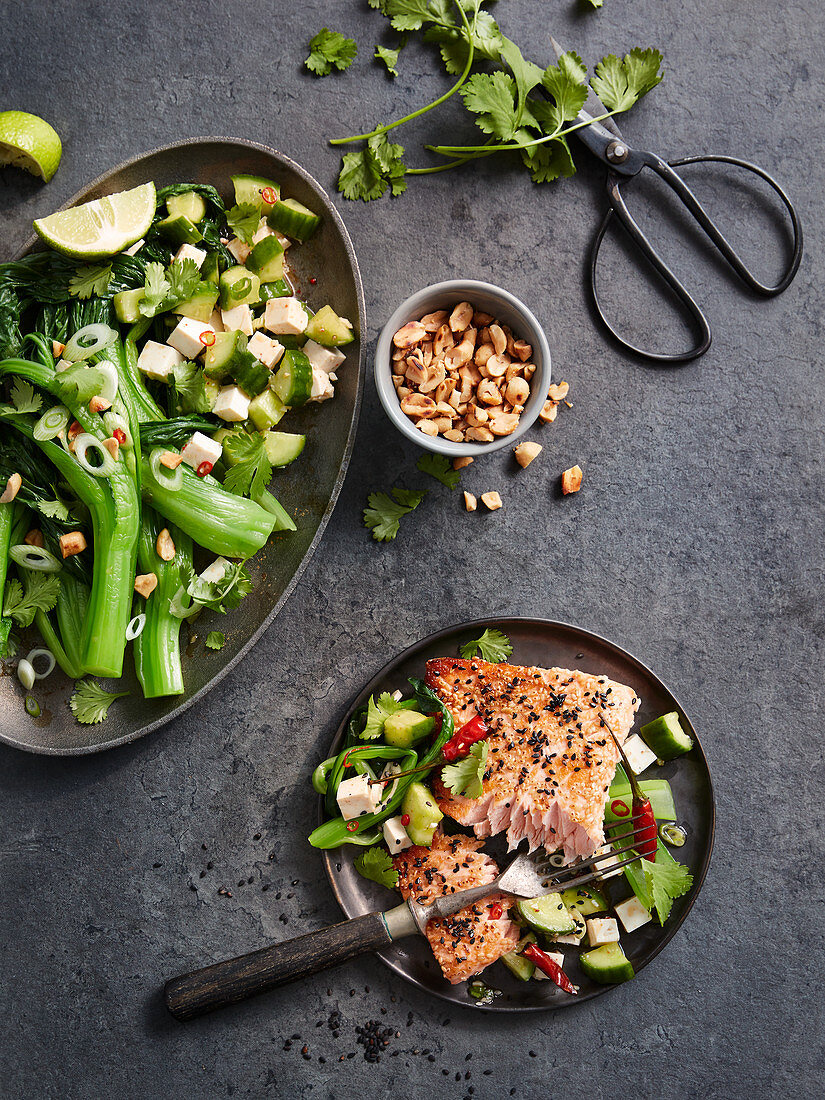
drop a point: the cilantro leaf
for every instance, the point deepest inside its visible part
(8, 645)
(78, 384)
(379, 5)
(594, 3)
(251, 470)
(184, 279)
(377, 714)
(54, 509)
(24, 399)
(90, 279)
(189, 382)
(389, 58)
(40, 594)
(549, 161)
(492, 645)
(567, 84)
(490, 96)
(221, 595)
(328, 50)
(619, 84)
(526, 74)
(90, 702)
(215, 640)
(408, 15)
(665, 881)
(439, 467)
(243, 219)
(156, 289)
(376, 864)
(466, 775)
(487, 41)
(360, 177)
(383, 514)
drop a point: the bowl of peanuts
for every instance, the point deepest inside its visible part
(462, 368)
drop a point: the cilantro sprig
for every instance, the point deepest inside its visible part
(215, 640)
(383, 513)
(40, 594)
(492, 645)
(243, 219)
(439, 467)
(330, 50)
(389, 58)
(466, 775)
(376, 865)
(24, 399)
(90, 279)
(251, 470)
(377, 714)
(90, 702)
(164, 288)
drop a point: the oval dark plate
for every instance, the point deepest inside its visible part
(308, 490)
(543, 643)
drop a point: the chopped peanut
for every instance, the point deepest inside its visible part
(409, 335)
(491, 500)
(460, 463)
(171, 460)
(433, 321)
(72, 543)
(99, 404)
(34, 537)
(571, 480)
(559, 392)
(57, 348)
(548, 411)
(461, 317)
(526, 452)
(164, 545)
(145, 584)
(470, 502)
(112, 446)
(12, 488)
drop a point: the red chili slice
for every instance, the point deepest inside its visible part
(268, 195)
(495, 911)
(204, 469)
(352, 826)
(459, 744)
(619, 808)
(549, 967)
(207, 338)
(119, 435)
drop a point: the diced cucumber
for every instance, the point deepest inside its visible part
(547, 914)
(127, 305)
(424, 815)
(200, 305)
(293, 219)
(188, 205)
(657, 790)
(253, 377)
(579, 929)
(515, 961)
(212, 389)
(279, 289)
(404, 728)
(210, 269)
(293, 381)
(265, 410)
(179, 229)
(327, 328)
(607, 965)
(250, 188)
(290, 342)
(239, 287)
(221, 358)
(282, 447)
(267, 260)
(587, 900)
(665, 736)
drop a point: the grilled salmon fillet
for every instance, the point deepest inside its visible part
(475, 937)
(551, 758)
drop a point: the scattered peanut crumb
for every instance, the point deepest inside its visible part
(164, 545)
(112, 446)
(559, 392)
(460, 463)
(491, 500)
(34, 537)
(99, 404)
(72, 543)
(549, 410)
(145, 584)
(571, 480)
(57, 348)
(526, 452)
(470, 502)
(12, 489)
(171, 460)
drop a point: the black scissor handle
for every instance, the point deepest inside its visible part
(678, 185)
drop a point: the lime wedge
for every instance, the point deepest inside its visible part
(29, 142)
(100, 227)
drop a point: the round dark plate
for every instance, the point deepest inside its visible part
(547, 644)
(308, 490)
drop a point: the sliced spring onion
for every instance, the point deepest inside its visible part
(135, 627)
(50, 662)
(52, 423)
(32, 706)
(177, 609)
(672, 834)
(169, 479)
(87, 341)
(25, 674)
(109, 372)
(114, 422)
(556, 859)
(36, 558)
(82, 444)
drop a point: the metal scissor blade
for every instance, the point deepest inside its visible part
(593, 106)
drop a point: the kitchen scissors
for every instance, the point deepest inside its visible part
(604, 140)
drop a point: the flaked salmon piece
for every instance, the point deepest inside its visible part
(475, 937)
(551, 758)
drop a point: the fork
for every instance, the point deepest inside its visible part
(529, 875)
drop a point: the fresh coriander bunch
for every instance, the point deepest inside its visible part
(520, 107)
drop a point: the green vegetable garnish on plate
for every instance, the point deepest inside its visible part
(376, 864)
(90, 702)
(492, 646)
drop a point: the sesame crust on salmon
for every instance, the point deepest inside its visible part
(476, 936)
(551, 758)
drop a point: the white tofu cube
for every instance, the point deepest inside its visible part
(357, 796)
(283, 241)
(158, 360)
(321, 358)
(133, 249)
(240, 250)
(64, 364)
(216, 321)
(601, 930)
(189, 252)
(285, 316)
(186, 337)
(396, 835)
(321, 386)
(262, 232)
(575, 937)
(200, 448)
(558, 959)
(639, 756)
(607, 868)
(237, 317)
(215, 572)
(232, 404)
(265, 350)
(632, 914)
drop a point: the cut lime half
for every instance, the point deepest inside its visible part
(29, 142)
(101, 227)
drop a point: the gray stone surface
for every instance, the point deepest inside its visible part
(696, 542)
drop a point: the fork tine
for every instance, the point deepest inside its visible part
(542, 862)
(592, 875)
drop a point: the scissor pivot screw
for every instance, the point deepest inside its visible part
(617, 152)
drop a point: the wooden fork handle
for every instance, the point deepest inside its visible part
(225, 983)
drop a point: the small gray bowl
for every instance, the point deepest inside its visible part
(506, 308)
